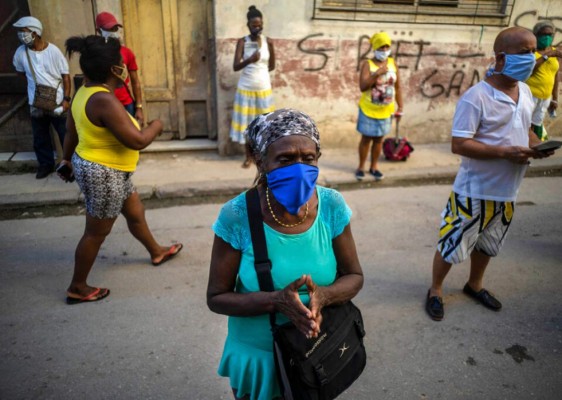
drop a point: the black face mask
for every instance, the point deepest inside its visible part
(255, 31)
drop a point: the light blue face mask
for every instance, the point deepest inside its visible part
(293, 185)
(382, 55)
(518, 66)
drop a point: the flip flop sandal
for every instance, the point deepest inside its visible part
(94, 296)
(171, 253)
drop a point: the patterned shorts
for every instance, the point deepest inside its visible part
(373, 127)
(470, 224)
(105, 189)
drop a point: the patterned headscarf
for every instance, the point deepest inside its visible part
(267, 128)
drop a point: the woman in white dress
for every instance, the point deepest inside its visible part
(255, 56)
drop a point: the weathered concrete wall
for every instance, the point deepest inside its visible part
(317, 65)
(317, 61)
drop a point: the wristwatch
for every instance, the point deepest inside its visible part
(67, 98)
(544, 57)
(138, 106)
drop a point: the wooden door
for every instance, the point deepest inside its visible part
(171, 41)
(15, 126)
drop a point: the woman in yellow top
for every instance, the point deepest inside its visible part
(379, 82)
(544, 80)
(103, 142)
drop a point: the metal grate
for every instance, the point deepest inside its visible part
(457, 12)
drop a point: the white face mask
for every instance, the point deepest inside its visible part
(26, 38)
(108, 34)
(381, 55)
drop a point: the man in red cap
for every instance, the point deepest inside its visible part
(107, 26)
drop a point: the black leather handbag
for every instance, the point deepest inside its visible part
(319, 368)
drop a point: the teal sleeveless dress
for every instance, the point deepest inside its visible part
(247, 357)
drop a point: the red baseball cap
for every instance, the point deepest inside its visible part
(105, 20)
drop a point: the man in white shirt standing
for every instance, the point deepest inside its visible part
(42, 63)
(491, 131)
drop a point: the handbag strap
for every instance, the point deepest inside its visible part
(33, 70)
(262, 263)
(30, 65)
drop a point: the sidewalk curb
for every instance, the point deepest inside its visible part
(209, 192)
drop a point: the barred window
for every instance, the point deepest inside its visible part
(457, 12)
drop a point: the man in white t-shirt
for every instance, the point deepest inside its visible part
(50, 68)
(491, 131)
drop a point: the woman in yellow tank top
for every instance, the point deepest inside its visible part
(379, 82)
(101, 150)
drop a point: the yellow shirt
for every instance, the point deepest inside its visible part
(378, 101)
(97, 144)
(542, 81)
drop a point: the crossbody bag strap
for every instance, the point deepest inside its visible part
(33, 70)
(262, 263)
(30, 65)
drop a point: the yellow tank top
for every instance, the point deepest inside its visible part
(378, 101)
(97, 144)
(542, 81)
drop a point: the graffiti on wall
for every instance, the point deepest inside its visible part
(319, 51)
(528, 19)
(451, 72)
(436, 83)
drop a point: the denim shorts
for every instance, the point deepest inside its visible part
(373, 127)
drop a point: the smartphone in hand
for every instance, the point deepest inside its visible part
(550, 145)
(66, 172)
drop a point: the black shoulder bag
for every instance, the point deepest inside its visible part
(319, 368)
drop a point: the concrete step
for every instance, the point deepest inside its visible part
(23, 162)
(181, 145)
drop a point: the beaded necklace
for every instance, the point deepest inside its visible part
(277, 219)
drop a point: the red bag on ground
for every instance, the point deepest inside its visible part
(397, 148)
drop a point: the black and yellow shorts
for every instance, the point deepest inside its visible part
(469, 224)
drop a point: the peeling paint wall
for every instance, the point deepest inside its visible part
(317, 60)
(317, 65)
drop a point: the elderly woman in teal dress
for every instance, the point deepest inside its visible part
(309, 241)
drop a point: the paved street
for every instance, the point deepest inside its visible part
(154, 338)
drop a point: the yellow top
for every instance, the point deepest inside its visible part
(97, 144)
(378, 102)
(542, 81)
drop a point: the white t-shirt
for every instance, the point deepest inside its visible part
(49, 66)
(255, 76)
(492, 117)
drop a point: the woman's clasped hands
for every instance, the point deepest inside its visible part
(307, 319)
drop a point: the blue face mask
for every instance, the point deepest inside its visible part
(518, 66)
(293, 185)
